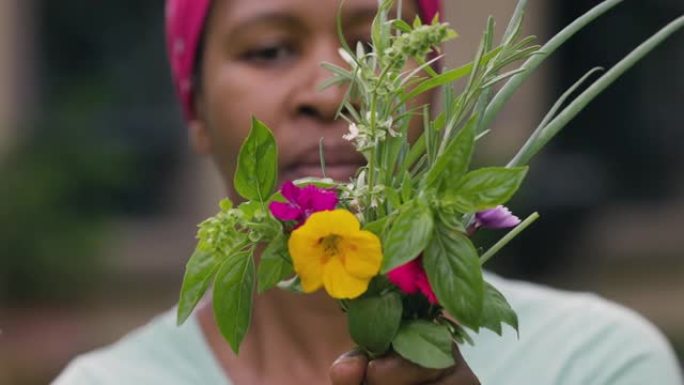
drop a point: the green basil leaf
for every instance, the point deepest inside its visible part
(406, 187)
(451, 218)
(257, 164)
(408, 236)
(275, 264)
(425, 343)
(453, 269)
(497, 310)
(374, 321)
(232, 301)
(450, 167)
(198, 273)
(393, 199)
(485, 188)
(378, 226)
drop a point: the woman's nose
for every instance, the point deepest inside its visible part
(311, 100)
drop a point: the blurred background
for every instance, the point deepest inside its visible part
(100, 195)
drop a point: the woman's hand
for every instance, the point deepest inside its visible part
(354, 368)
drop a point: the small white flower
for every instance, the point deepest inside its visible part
(353, 132)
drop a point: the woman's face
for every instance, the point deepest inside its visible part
(262, 58)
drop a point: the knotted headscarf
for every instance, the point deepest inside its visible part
(185, 21)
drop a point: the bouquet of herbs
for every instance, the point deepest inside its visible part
(393, 243)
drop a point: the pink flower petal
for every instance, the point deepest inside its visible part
(411, 278)
(405, 277)
(322, 199)
(290, 191)
(302, 202)
(284, 211)
(425, 288)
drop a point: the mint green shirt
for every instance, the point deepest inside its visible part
(565, 339)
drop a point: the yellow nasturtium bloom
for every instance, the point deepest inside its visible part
(331, 250)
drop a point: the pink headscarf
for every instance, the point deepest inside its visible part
(184, 25)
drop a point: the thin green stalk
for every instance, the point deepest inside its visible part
(535, 61)
(529, 144)
(508, 237)
(577, 105)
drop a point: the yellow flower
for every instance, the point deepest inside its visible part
(331, 250)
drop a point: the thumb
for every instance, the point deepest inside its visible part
(349, 369)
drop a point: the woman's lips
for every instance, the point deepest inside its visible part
(340, 172)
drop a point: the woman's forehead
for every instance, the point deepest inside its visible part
(239, 13)
(186, 19)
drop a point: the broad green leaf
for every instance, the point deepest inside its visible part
(450, 218)
(393, 199)
(406, 187)
(378, 226)
(408, 236)
(425, 343)
(232, 301)
(453, 269)
(257, 164)
(415, 153)
(275, 264)
(198, 272)
(485, 188)
(497, 310)
(453, 163)
(374, 321)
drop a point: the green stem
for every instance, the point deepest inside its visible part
(508, 237)
(577, 105)
(526, 149)
(535, 61)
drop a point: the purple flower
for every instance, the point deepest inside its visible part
(302, 202)
(499, 217)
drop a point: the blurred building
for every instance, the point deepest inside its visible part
(98, 154)
(8, 15)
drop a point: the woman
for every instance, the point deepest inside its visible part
(233, 59)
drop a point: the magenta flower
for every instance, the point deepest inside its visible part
(410, 278)
(499, 217)
(302, 202)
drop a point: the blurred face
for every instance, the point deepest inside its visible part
(262, 58)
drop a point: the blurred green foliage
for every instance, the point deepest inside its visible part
(51, 201)
(99, 139)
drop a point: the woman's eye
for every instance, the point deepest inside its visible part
(268, 54)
